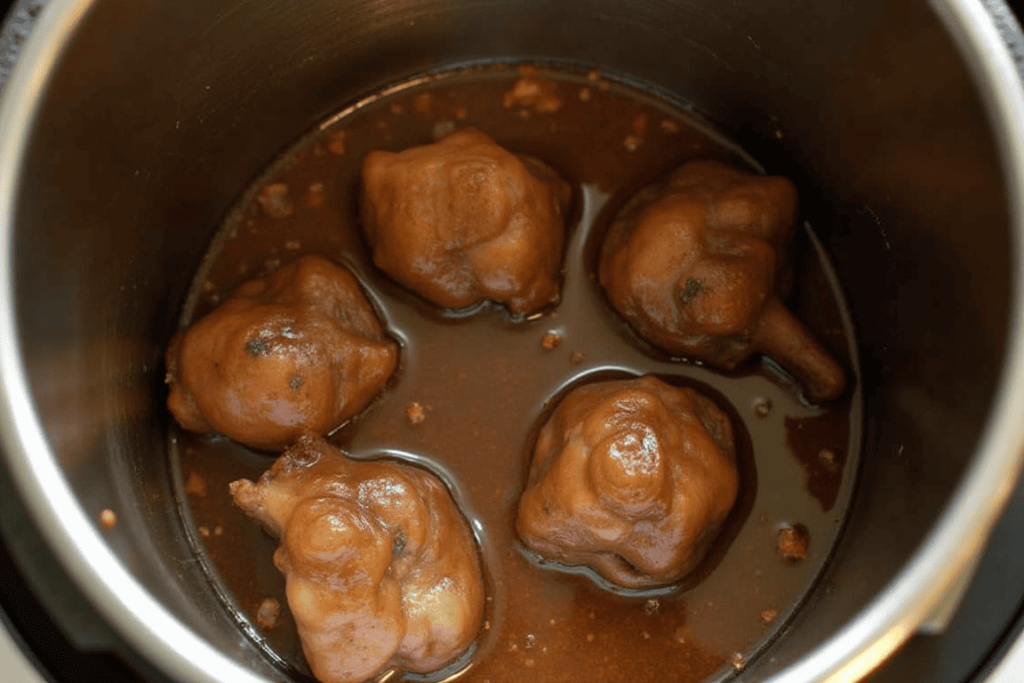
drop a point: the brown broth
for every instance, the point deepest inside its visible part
(486, 381)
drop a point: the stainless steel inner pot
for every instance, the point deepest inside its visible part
(131, 125)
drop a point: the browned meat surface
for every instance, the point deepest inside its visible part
(298, 351)
(632, 478)
(699, 266)
(463, 221)
(382, 571)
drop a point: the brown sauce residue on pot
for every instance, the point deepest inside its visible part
(472, 390)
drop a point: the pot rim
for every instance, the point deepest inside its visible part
(950, 550)
(931, 584)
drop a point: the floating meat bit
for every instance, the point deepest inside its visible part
(268, 613)
(791, 543)
(551, 340)
(762, 407)
(298, 351)
(415, 413)
(276, 201)
(463, 221)
(699, 266)
(381, 569)
(542, 96)
(632, 478)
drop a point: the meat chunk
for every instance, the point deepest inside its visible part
(298, 351)
(699, 266)
(463, 221)
(381, 569)
(632, 478)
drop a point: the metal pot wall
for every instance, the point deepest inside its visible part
(130, 127)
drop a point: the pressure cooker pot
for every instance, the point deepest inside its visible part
(129, 130)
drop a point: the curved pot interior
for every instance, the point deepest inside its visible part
(160, 113)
